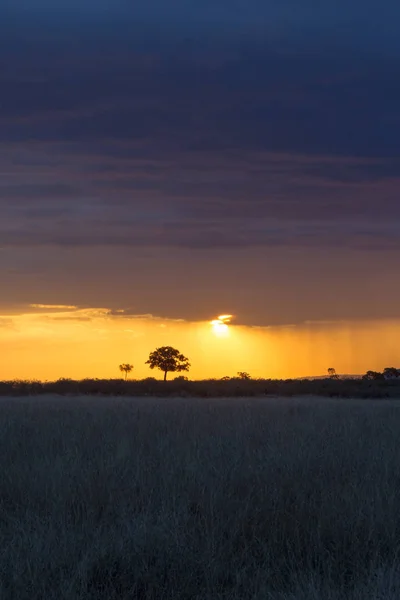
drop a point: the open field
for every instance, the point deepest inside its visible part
(199, 499)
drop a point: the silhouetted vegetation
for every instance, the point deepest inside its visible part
(126, 368)
(373, 376)
(225, 387)
(168, 360)
(180, 499)
(332, 373)
(243, 375)
(391, 373)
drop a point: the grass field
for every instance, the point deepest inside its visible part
(199, 499)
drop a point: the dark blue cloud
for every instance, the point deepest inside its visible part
(292, 95)
(196, 116)
(357, 23)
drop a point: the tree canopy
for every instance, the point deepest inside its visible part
(243, 375)
(373, 376)
(332, 373)
(391, 373)
(168, 360)
(125, 368)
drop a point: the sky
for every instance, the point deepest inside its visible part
(179, 160)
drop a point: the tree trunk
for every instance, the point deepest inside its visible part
(126, 375)
(165, 375)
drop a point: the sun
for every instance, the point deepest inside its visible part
(220, 325)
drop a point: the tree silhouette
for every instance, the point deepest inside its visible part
(391, 373)
(332, 373)
(168, 359)
(243, 375)
(373, 376)
(125, 368)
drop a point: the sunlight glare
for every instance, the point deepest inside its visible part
(220, 325)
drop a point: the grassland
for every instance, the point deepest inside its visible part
(199, 499)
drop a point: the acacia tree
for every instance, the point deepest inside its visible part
(243, 375)
(332, 373)
(126, 368)
(168, 360)
(391, 373)
(373, 376)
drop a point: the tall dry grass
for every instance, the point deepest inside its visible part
(161, 499)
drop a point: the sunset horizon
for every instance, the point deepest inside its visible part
(47, 342)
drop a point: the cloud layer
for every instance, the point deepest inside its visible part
(221, 128)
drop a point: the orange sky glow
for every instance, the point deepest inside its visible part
(48, 342)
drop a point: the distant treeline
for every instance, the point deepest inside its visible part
(227, 387)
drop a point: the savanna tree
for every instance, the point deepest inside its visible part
(243, 375)
(373, 376)
(391, 373)
(168, 360)
(126, 368)
(332, 373)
